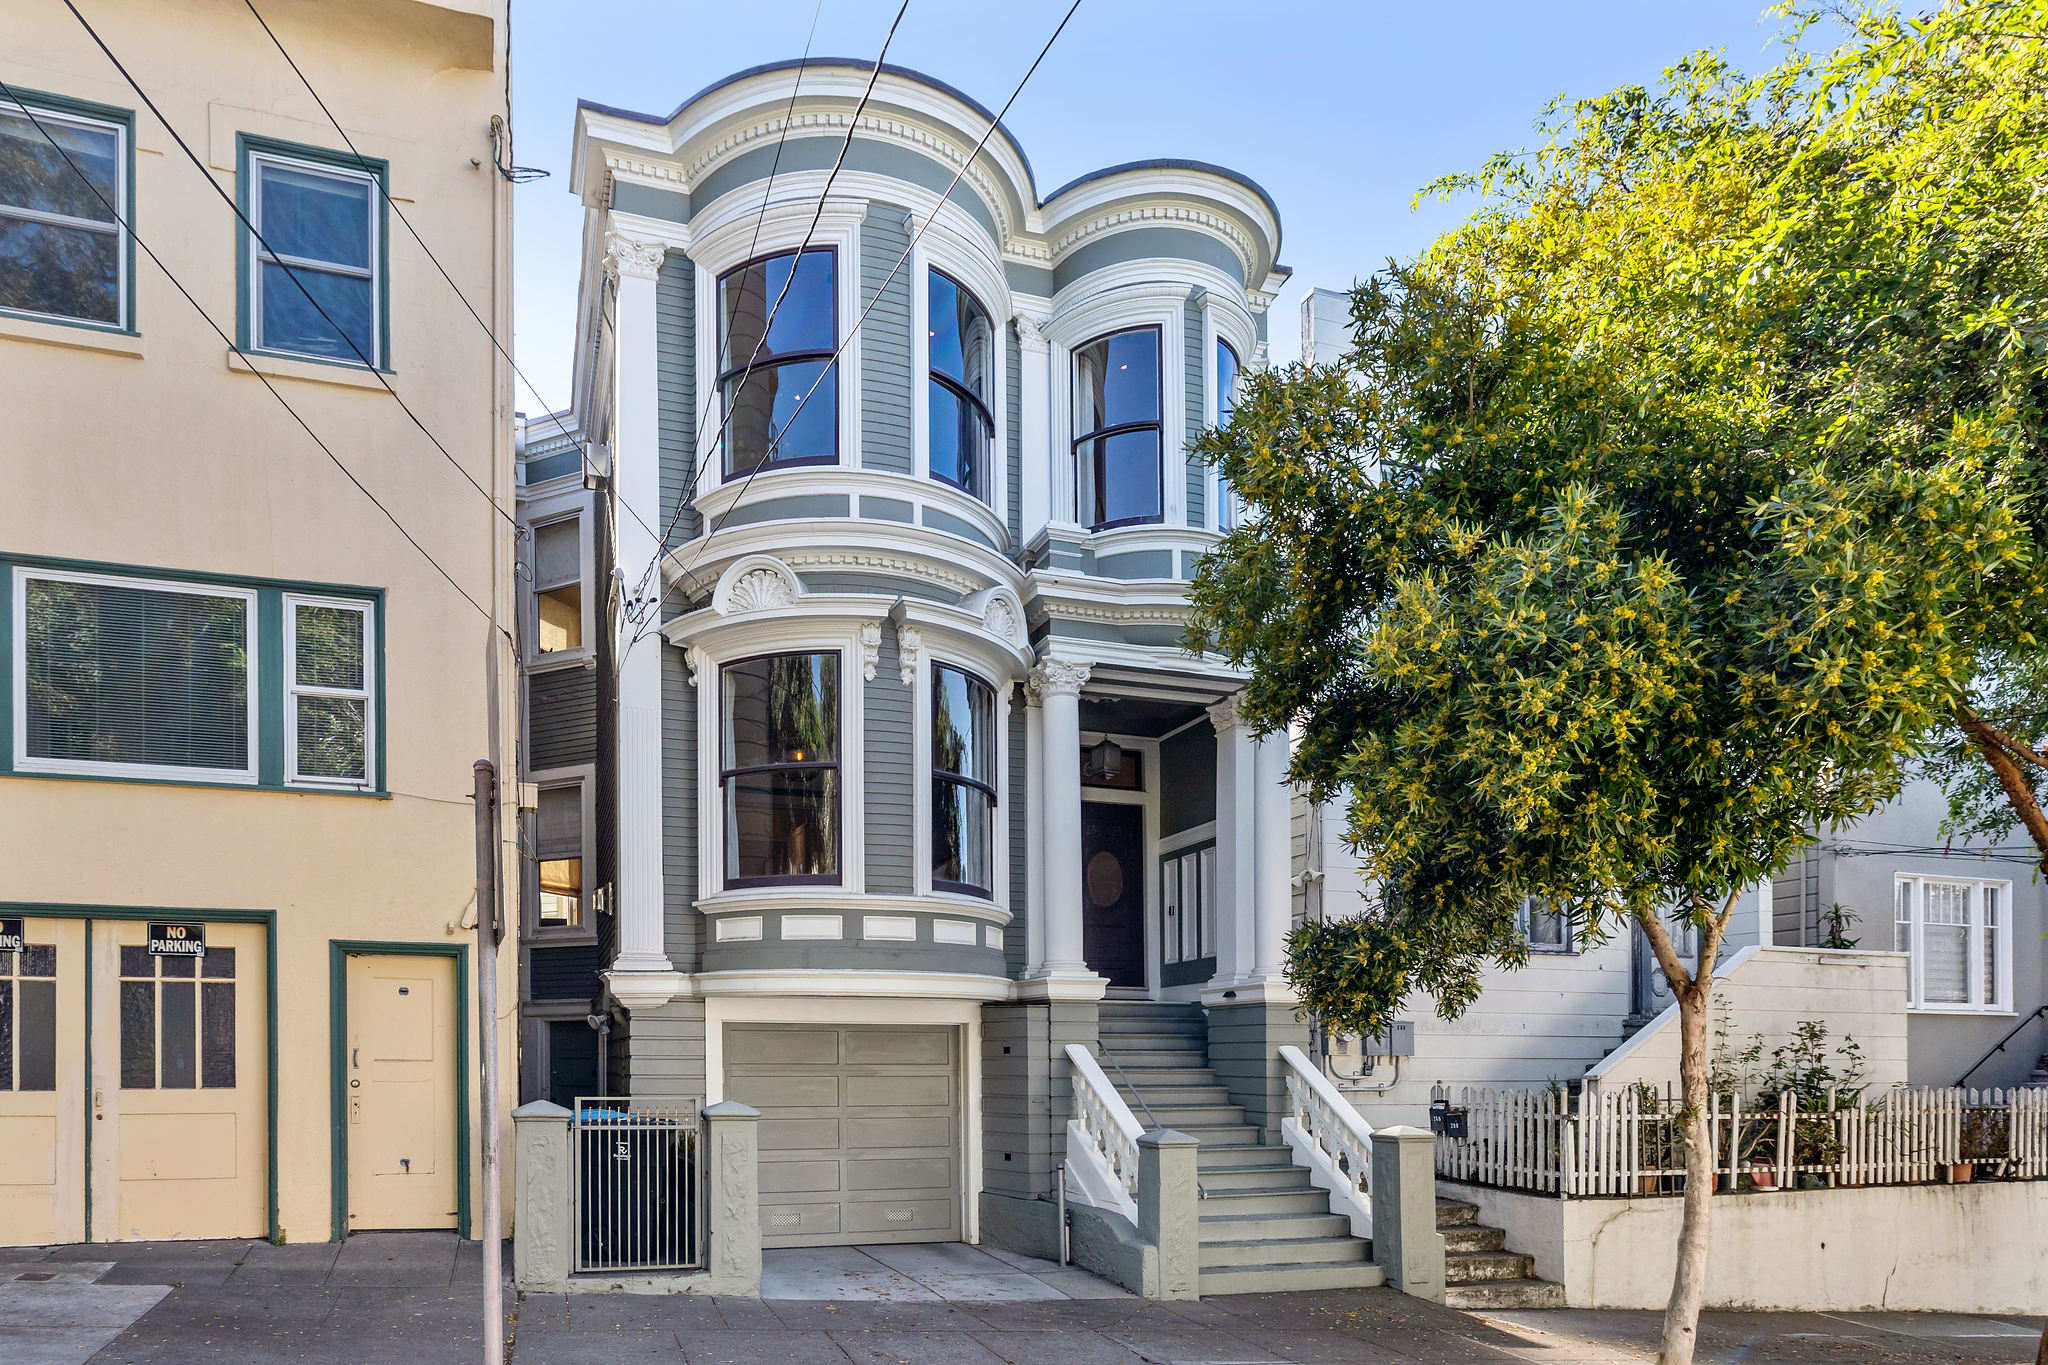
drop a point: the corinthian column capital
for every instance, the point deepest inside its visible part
(1058, 678)
(626, 258)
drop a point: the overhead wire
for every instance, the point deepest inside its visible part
(854, 330)
(129, 228)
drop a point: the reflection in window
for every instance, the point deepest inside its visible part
(330, 693)
(313, 261)
(780, 769)
(558, 585)
(177, 1020)
(779, 385)
(963, 782)
(1117, 474)
(962, 431)
(1544, 928)
(559, 836)
(1226, 406)
(62, 187)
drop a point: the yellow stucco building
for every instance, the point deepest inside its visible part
(245, 676)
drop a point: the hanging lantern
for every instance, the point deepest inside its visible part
(1105, 760)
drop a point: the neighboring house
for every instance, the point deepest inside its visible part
(1971, 923)
(916, 784)
(240, 710)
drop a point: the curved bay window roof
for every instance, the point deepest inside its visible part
(958, 347)
(779, 766)
(1118, 478)
(963, 782)
(778, 319)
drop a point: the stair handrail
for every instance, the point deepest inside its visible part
(1108, 1124)
(1334, 1139)
(1125, 1076)
(1999, 1046)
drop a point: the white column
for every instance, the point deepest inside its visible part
(1273, 852)
(1064, 973)
(641, 975)
(1034, 834)
(1034, 426)
(1235, 866)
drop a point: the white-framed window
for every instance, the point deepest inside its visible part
(778, 323)
(963, 776)
(1187, 905)
(559, 600)
(320, 222)
(63, 198)
(1545, 928)
(1958, 934)
(329, 713)
(563, 871)
(960, 365)
(133, 677)
(1225, 376)
(1119, 462)
(779, 768)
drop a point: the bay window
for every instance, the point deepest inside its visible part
(957, 350)
(1958, 934)
(963, 782)
(1118, 477)
(779, 767)
(1226, 406)
(63, 194)
(779, 382)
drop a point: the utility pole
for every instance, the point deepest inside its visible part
(487, 922)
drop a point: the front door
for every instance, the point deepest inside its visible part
(401, 1092)
(1113, 891)
(42, 1085)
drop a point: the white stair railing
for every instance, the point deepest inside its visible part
(1102, 1140)
(1330, 1138)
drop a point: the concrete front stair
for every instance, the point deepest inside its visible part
(1264, 1226)
(1479, 1270)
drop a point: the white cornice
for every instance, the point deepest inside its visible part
(820, 981)
(1237, 239)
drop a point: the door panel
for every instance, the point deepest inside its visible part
(43, 1085)
(860, 1131)
(400, 1068)
(1113, 891)
(179, 1140)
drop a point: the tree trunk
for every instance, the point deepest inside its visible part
(2019, 794)
(1689, 1285)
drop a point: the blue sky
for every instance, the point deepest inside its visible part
(1341, 110)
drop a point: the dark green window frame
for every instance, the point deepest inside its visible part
(41, 100)
(270, 681)
(247, 144)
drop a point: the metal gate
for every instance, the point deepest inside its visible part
(637, 1185)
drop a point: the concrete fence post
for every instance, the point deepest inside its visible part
(1169, 1210)
(543, 1235)
(731, 1189)
(1405, 1242)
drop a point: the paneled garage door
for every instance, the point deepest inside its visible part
(860, 1130)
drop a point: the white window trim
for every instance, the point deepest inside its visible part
(258, 256)
(293, 691)
(1207, 928)
(584, 777)
(921, 795)
(948, 252)
(24, 763)
(43, 114)
(1916, 1002)
(1525, 912)
(586, 571)
(1123, 309)
(1235, 328)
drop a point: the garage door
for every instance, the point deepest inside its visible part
(860, 1131)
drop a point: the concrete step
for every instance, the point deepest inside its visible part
(1136, 1060)
(1149, 1077)
(1265, 1202)
(1139, 1040)
(1284, 1251)
(1278, 1279)
(1232, 1133)
(1498, 1294)
(1184, 1116)
(1472, 1237)
(1479, 1267)
(1452, 1212)
(1274, 1227)
(1248, 1179)
(1177, 1094)
(1222, 1156)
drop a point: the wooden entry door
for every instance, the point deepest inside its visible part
(401, 1089)
(180, 1124)
(42, 1085)
(1113, 891)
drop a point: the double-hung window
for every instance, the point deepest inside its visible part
(1958, 934)
(779, 319)
(1118, 475)
(963, 782)
(1226, 406)
(780, 770)
(314, 260)
(558, 586)
(958, 350)
(559, 837)
(147, 678)
(63, 198)
(1544, 927)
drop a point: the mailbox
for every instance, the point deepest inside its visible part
(1445, 1120)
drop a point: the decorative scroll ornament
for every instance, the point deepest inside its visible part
(625, 258)
(1058, 678)
(870, 648)
(1030, 331)
(909, 648)
(1224, 714)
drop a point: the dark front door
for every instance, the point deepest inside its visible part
(1113, 891)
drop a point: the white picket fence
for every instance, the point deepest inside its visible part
(1630, 1140)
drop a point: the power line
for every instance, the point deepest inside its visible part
(292, 274)
(854, 331)
(392, 204)
(157, 260)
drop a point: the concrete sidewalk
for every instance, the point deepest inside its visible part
(414, 1299)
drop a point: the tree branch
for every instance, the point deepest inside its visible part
(2019, 794)
(1999, 737)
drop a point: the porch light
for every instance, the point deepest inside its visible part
(1105, 760)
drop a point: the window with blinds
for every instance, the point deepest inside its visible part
(328, 716)
(127, 677)
(1957, 934)
(558, 837)
(558, 586)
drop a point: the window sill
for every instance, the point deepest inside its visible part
(209, 784)
(576, 936)
(79, 336)
(313, 371)
(1968, 1011)
(557, 661)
